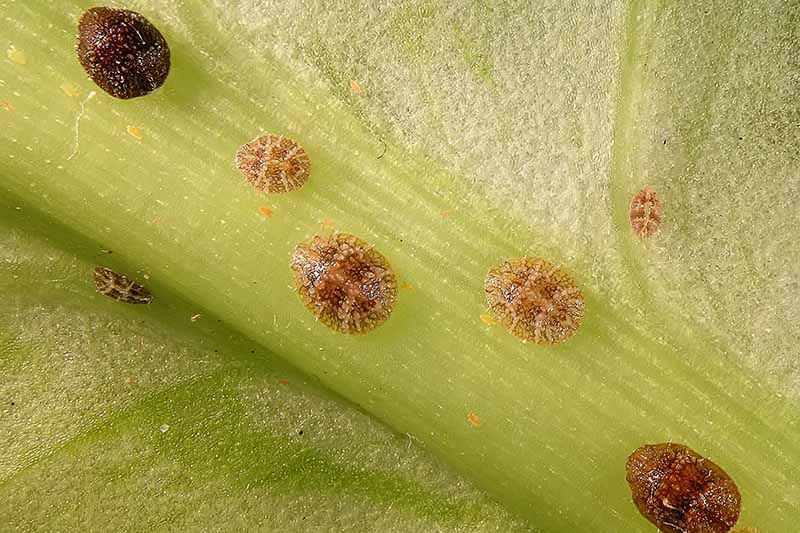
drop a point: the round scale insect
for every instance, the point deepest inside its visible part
(122, 52)
(345, 282)
(535, 300)
(681, 491)
(273, 163)
(120, 287)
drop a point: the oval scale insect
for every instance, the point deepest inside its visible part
(122, 52)
(646, 213)
(273, 163)
(345, 282)
(535, 300)
(681, 491)
(120, 287)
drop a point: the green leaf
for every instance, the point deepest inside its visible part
(481, 132)
(163, 418)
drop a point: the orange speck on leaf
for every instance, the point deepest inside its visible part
(445, 213)
(474, 420)
(135, 132)
(266, 211)
(328, 224)
(356, 88)
(7, 105)
(283, 381)
(156, 220)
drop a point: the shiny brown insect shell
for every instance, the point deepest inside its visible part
(120, 287)
(680, 491)
(535, 300)
(347, 284)
(122, 52)
(273, 163)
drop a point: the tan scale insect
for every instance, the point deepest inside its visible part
(120, 287)
(646, 213)
(346, 283)
(535, 300)
(273, 163)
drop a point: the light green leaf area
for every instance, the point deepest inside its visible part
(131, 418)
(473, 132)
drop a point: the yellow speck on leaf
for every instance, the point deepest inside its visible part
(266, 211)
(70, 89)
(196, 317)
(488, 319)
(16, 56)
(474, 420)
(356, 88)
(328, 224)
(135, 132)
(406, 286)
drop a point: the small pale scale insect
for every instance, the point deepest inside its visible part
(273, 163)
(120, 287)
(681, 491)
(346, 283)
(535, 300)
(646, 213)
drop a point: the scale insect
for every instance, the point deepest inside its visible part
(680, 491)
(122, 52)
(646, 213)
(274, 164)
(346, 283)
(119, 287)
(535, 300)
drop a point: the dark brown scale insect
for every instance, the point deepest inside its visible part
(646, 213)
(348, 285)
(122, 52)
(273, 163)
(680, 491)
(119, 287)
(535, 300)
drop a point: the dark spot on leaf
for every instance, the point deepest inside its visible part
(122, 52)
